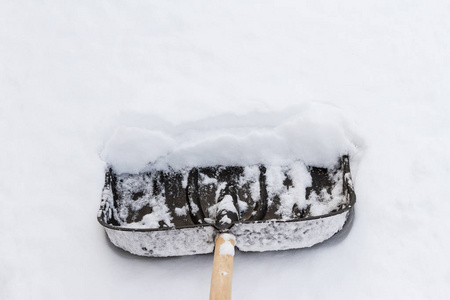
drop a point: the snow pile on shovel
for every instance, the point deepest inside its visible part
(286, 143)
(316, 134)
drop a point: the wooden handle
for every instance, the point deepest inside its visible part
(222, 273)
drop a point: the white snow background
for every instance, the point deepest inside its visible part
(71, 70)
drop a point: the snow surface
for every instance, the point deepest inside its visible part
(317, 134)
(72, 73)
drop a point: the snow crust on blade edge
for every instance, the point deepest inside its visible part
(179, 242)
(250, 237)
(274, 236)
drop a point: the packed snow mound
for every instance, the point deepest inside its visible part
(314, 133)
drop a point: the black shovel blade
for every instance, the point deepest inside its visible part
(166, 213)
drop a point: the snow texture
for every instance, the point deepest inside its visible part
(313, 133)
(226, 248)
(186, 241)
(181, 211)
(73, 72)
(227, 204)
(275, 236)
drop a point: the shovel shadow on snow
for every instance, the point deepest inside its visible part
(334, 240)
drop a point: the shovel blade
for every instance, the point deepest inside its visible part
(174, 213)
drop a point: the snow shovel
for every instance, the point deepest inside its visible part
(218, 208)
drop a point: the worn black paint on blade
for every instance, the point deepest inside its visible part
(207, 186)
